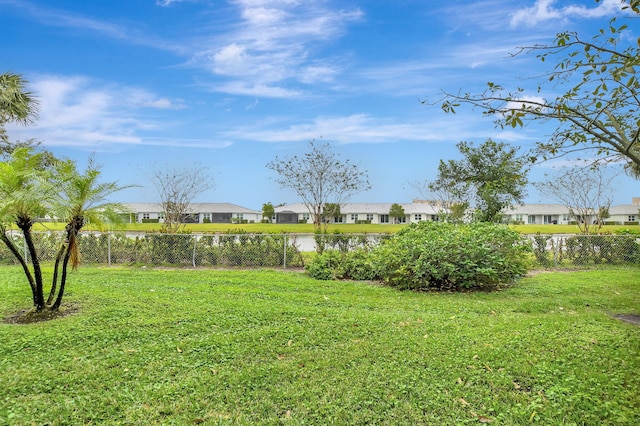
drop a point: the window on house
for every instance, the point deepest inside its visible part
(384, 218)
(369, 216)
(547, 219)
(531, 220)
(146, 216)
(565, 218)
(517, 217)
(337, 219)
(354, 217)
(305, 216)
(632, 218)
(206, 217)
(161, 216)
(402, 219)
(417, 217)
(435, 218)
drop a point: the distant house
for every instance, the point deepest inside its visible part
(377, 213)
(538, 214)
(197, 213)
(624, 214)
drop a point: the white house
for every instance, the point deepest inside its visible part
(538, 214)
(377, 213)
(624, 214)
(197, 213)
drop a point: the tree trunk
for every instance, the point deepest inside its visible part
(14, 250)
(54, 280)
(63, 277)
(25, 226)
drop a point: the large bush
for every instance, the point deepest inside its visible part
(449, 256)
(434, 255)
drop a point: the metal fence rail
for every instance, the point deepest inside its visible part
(286, 250)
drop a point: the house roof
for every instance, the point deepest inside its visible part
(375, 208)
(193, 208)
(625, 209)
(537, 209)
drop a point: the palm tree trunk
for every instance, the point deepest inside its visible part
(54, 280)
(14, 250)
(25, 226)
(71, 246)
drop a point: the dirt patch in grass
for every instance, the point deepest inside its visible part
(630, 318)
(30, 316)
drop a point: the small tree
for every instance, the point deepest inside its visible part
(493, 176)
(28, 192)
(319, 176)
(268, 211)
(585, 192)
(177, 188)
(396, 211)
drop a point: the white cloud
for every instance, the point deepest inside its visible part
(166, 3)
(76, 111)
(273, 46)
(356, 128)
(544, 10)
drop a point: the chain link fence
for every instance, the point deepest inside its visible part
(557, 251)
(287, 250)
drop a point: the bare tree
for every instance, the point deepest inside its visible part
(319, 177)
(585, 191)
(177, 188)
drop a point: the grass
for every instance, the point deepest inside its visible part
(151, 347)
(302, 228)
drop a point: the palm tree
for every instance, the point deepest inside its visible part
(81, 199)
(25, 191)
(16, 103)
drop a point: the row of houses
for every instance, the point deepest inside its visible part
(377, 213)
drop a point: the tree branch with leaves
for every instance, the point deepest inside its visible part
(599, 107)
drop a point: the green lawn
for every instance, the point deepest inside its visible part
(276, 228)
(186, 347)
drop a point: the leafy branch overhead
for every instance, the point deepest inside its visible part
(599, 105)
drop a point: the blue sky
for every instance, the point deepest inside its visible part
(231, 84)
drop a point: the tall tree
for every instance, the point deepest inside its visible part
(586, 192)
(177, 188)
(492, 176)
(318, 177)
(598, 108)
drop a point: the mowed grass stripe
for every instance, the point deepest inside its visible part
(270, 347)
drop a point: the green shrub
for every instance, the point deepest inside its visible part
(454, 257)
(342, 265)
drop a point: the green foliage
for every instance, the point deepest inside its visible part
(454, 257)
(342, 265)
(596, 249)
(596, 103)
(540, 249)
(492, 175)
(396, 211)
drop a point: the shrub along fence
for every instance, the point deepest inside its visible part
(286, 250)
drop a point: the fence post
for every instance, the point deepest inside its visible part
(284, 257)
(195, 242)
